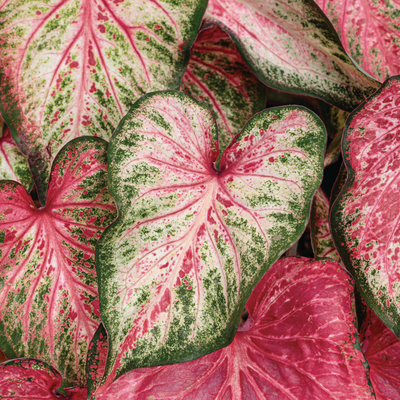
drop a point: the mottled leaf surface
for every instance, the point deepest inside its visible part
(299, 342)
(366, 215)
(49, 306)
(29, 379)
(13, 164)
(382, 350)
(218, 76)
(321, 238)
(70, 68)
(190, 242)
(369, 31)
(291, 46)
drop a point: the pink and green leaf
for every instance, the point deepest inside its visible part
(365, 217)
(382, 350)
(334, 118)
(74, 68)
(218, 77)
(299, 342)
(194, 235)
(291, 46)
(369, 31)
(34, 380)
(13, 164)
(321, 238)
(49, 306)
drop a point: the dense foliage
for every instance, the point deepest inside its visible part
(162, 164)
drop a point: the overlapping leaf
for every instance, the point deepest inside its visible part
(299, 342)
(291, 46)
(34, 380)
(49, 307)
(218, 76)
(370, 33)
(13, 164)
(72, 68)
(191, 242)
(366, 214)
(382, 350)
(321, 238)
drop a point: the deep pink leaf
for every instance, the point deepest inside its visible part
(218, 76)
(291, 46)
(366, 215)
(49, 306)
(321, 238)
(370, 33)
(73, 68)
(191, 241)
(382, 350)
(29, 379)
(299, 342)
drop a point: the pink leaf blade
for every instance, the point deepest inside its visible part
(382, 348)
(71, 69)
(218, 76)
(191, 242)
(321, 237)
(49, 297)
(300, 341)
(365, 215)
(369, 32)
(290, 46)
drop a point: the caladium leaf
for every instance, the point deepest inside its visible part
(74, 68)
(49, 306)
(321, 238)
(291, 46)
(32, 379)
(191, 241)
(29, 379)
(334, 118)
(299, 342)
(369, 31)
(365, 217)
(218, 76)
(382, 350)
(13, 164)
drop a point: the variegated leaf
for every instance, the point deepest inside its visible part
(321, 238)
(334, 118)
(72, 68)
(382, 350)
(299, 342)
(29, 379)
(370, 33)
(218, 76)
(49, 306)
(366, 215)
(13, 164)
(291, 46)
(192, 240)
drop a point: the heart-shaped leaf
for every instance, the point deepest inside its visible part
(29, 379)
(370, 33)
(299, 342)
(49, 306)
(32, 379)
(218, 76)
(190, 242)
(365, 217)
(321, 238)
(291, 46)
(382, 350)
(13, 164)
(74, 68)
